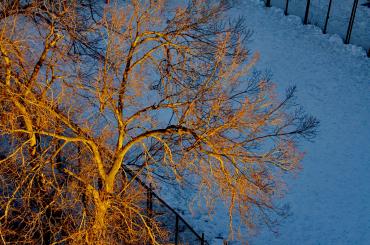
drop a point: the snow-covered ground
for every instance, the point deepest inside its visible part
(339, 17)
(330, 198)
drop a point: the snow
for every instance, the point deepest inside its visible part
(330, 198)
(339, 17)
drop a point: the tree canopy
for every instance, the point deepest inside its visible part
(90, 90)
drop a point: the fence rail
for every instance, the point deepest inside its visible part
(341, 17)
(181, 232)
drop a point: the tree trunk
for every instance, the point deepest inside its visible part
(98, 232)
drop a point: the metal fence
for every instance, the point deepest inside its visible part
(350, 19)
(179, 231)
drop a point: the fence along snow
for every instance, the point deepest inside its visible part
(180, 231)
(348, 18)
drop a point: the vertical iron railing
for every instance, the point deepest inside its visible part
(305, 21)
(286, 7)
(177, 230)
(149, 201)
(351, 21)
(306, 18)
(327, 17)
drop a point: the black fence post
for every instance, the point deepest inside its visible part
(149, 201)
(268, 3)
(327, 17)
(177, 230)
(307, 12)
(368, 53)
(202, 242)
(351, 21)
(286, 7)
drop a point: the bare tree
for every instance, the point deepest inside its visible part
(90, 90)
